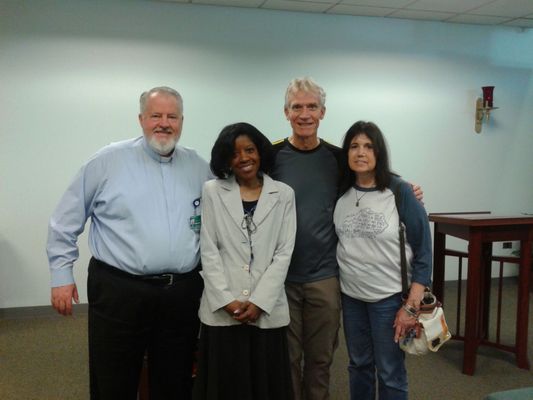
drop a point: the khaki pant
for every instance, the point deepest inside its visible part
(313, 335)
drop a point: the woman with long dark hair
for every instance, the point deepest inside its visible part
(367, 224)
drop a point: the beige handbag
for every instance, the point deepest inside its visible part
(431, 330)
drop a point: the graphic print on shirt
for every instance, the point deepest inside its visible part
(363, 224)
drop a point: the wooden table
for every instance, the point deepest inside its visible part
(481, 230)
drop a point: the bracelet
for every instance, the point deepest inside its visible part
(413, 312)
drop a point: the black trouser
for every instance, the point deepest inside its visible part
(129, 316)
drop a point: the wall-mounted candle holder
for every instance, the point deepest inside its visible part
(483, 107)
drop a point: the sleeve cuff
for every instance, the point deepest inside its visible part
(62, 277)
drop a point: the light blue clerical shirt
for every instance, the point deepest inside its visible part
(140, 205)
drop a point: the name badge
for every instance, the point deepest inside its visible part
(195, 223)
(195, 220)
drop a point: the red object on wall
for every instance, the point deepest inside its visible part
(488, 95)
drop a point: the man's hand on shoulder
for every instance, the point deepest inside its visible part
(62, 297)
(419, 194)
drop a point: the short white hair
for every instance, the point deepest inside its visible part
(305, 84)
(160, 89)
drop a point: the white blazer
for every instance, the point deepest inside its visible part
(226, 252)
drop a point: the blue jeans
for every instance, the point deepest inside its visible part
(369, 332)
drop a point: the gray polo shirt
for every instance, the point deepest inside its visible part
(314, 176)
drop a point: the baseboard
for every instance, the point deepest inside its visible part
(37, 311)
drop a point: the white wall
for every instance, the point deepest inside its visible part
(72, 71)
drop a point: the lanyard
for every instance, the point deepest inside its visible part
(251, 228)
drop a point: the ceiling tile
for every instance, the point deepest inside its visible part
(360, 10)
(318, 1)
(173, 1)
(477, 19)
(232, 3)
(417, 14)
(506, 8)
(520, 22)
(290, 5)
(378, 3)
(453, 6)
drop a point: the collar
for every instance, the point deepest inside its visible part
(293, 147)
(364, 189)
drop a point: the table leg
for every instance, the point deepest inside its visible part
(486, 273)
(522, 315)
(439, 248)
(473, 312)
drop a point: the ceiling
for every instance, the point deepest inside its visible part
(518, 13)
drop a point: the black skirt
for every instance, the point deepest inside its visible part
(243, 362)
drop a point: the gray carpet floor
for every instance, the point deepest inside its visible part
(45, 358)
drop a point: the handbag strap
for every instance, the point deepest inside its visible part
(403, 260)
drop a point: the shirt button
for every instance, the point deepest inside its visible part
(245, 292)
(246, 267)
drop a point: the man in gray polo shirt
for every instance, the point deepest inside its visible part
(312, 168)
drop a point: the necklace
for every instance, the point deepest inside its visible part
(357, 198)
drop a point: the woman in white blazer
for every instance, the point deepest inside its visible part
(247, 238)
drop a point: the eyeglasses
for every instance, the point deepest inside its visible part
(248, 223)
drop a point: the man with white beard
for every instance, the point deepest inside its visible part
(143, 198)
